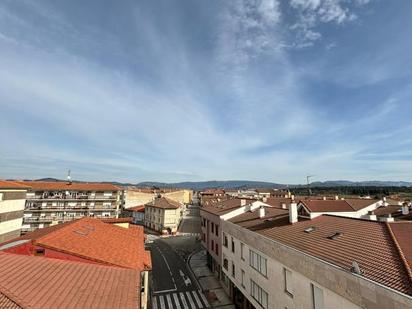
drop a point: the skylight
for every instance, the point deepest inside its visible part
(335, 235)
(310, 229)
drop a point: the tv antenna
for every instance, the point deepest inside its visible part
(308, 177)
(69, 178)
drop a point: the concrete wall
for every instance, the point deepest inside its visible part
(209, 236)
(135, 198)
(161, 219)
(181, 196)
(341, 289)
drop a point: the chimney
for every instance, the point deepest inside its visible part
(371, 216)
(293, 212)
(324, 198)
(262, 212)
(405, 209)
(385, 203)
(336, 197)
(69, 179)
(265, 199)
(284, 206)
(292, 197)
(242, 202)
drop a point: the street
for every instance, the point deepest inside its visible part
(191, 221)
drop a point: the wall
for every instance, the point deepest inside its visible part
(12, 204)
(135, 198)
(181, 196)
(207, 231)
(344, 289)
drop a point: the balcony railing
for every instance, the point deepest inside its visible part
(69, 197)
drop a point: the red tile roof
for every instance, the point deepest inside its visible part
(139, 208)
(5, 184)
(38, 282)
(369, 243)
(164, 203)
(225, 206)
(402, 231)
(95, 240)
(117, 220)
(347, 205)
(277, 201)
(61, 185)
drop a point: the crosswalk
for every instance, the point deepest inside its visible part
(180, 300)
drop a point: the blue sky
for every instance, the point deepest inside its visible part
(198, 90)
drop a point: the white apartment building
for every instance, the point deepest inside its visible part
(50, 203)
(12, 201)
(275, 260)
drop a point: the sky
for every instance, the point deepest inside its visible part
(192, 90)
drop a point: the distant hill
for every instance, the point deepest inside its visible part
(248, 184)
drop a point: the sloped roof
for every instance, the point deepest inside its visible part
(369, 243)
(225, 206)
(62, 185)
(164, 203)
(5, 184)
(139, 208)
(277, 201)
(38, 282)
(346, 205)
(95, 240)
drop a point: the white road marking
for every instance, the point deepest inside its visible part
(154, 302)
(189, 297)
(176, 300)
(169, 301)
(167, 264)
(162, 302)
(182, 297)
(204, 299)
(199, 303)
(164, 291)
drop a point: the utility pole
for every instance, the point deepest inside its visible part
(308, 183)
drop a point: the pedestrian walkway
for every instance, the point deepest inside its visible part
(180, 300)
(210, 285)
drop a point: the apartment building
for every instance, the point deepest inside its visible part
(141, 196)
(12, 201)
(163, 215)
(70, 255)
(276, 259)
(50, 203)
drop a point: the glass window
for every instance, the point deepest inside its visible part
(258, 262)
(317, 296)
(288, 281)
(242, 251)
(259, 294)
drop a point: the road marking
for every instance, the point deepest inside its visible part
(154, 302)
(176, 301)
(199, 303)
(169, 301)
(162, 302)
(204, 298)
(167, 264)
(164, 291)
(189, 297)
(182, 297)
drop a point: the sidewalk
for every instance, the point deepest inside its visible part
(210, 285)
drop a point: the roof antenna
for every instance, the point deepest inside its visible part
(69, 178)
(308, 183)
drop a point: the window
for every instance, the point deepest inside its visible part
(225, 264)
(213, 225)
(259, 294)
(225, 242)
(243, 277)
(233, 245)
(213, 244)
(288, 282)
(1, 197)
(216, 249)
(217, 230)
(39, 252)
(317, 297)
(242, 251)
(258, 262)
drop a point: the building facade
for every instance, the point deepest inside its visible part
(163, 215)
(12, 201)
(50, 203)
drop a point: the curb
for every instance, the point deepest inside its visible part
(191, 270)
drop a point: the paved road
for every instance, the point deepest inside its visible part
(172, 283)
(191, 222)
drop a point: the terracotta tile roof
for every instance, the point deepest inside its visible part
(117, 220)
(392, 209)
(38, 282)
(347, 205)
(164, 203)
(402, 231)
(5, 184)
(139, 208)
(369, 243)
(277, 201)
(62, 185)
(95, 240)
(225, 206)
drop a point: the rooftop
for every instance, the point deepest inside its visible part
(5, 184)
(369, 243)
(225, 206)
(65, 284)
(62, 185)
(95, 240)
(164, 203)
(346, 205)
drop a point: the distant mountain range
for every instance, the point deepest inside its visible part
(247, 184)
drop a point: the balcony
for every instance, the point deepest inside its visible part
(71, 197)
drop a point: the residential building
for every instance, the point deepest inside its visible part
(136, 213)
(89, 241)
(353, 207)
(65, 284)
(277, 259)
(141, 196)
(12, 201)
(163, 215)
(49, 203)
